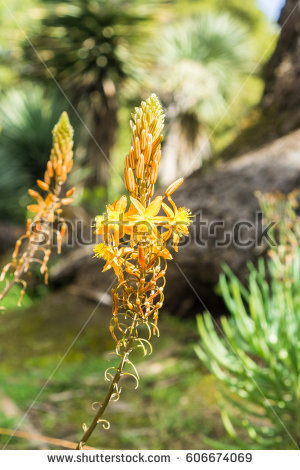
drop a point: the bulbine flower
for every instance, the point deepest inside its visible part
(35, 245)
(134, 246)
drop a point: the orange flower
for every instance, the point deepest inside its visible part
(112, 255)
(177, 222)
(143, 220)
(112, 220)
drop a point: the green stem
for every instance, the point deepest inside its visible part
(9, 286)
(30, 251)
(111, 389)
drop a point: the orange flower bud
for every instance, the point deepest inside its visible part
(66, 200)
(42, 185)
(143, 139)
(157, 155)
(148, 148)
(170, 189)
(137, 148)
(126, 180)
(130, 180)
(132, 161)
(140, 167)
(63, 174)
(63, 230)
(70, 192)
(46, 177)
(50, 169)
(34, 207)
(132, 125)
(154, 172)
(57, 168)
(60, 236)
(69, 166)
(156, 143)
(138, 125)
(34, 194)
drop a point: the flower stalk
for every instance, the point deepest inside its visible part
(135, 246)
(35, 245)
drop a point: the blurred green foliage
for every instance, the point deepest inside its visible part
(247, 13)
(100, 53)
(27, 119)
(91, 49)
(11, 300)
(201, 63)
(14, 22)
(256, 357)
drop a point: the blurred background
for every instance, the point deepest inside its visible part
(227, 74)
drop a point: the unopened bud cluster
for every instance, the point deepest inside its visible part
(35, 244)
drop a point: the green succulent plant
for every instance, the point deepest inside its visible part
(255, 353)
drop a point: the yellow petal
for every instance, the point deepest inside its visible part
(138, 205)
(107, 266)
(131, 211)
(154, 208)
(121, 204)
(111, 207)
(167, 210)
(166, 235)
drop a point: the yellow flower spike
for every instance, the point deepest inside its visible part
(110, 255)
(139, 263)
(177, 222)
(147, 125)
(47, 210)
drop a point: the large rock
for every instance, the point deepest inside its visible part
(226, 195)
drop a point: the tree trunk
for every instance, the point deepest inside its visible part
(186, 136)
(102, 123)
(279, 110)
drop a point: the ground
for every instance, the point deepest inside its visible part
(174, 407)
